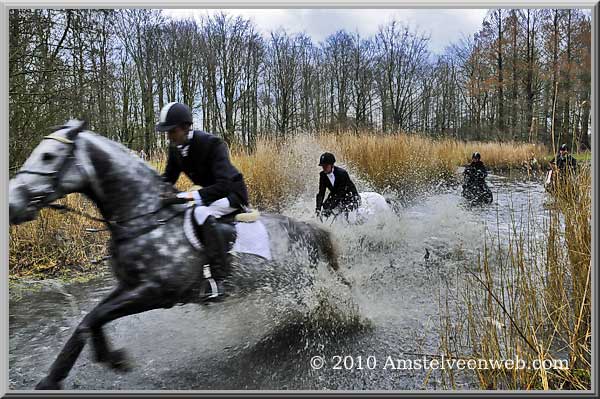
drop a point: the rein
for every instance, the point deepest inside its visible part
(61, 207)
(117, 223)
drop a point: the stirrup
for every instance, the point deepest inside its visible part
(210, 292)
(214, 294)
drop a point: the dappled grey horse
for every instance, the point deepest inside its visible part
(153, 262)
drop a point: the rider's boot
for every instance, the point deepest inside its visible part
(212, 287)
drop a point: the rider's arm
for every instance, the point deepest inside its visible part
(351, 186)
(173, 170)
(223, 172)
(484, 170)
(321, 193)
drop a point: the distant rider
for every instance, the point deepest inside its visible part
(474, 186)
(343, 196)
(477, 166)
(564, 160)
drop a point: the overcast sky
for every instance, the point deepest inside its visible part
(444, 26)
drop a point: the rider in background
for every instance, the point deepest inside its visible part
(204, 158)
(343, 196)
(474, 186)
(561, 167)
(478, 165)
(564, 160)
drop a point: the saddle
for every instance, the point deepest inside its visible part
(225, 227)
(243, 232)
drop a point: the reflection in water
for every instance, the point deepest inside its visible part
(266, 340)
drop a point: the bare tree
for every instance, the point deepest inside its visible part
(402, 55)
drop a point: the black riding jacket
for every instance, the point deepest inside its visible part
(475, 174)
(207, 164)
(476, 166)
(343, 192)
(563, 161)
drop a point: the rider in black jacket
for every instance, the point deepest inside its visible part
(474, 186)
(478, 166)
(204, 158)
(343, 196)
(564, 160)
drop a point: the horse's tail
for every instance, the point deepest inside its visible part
(327, 246)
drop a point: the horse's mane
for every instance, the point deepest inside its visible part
(120, 148)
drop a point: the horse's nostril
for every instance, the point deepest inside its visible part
(17, 199)
(12, 213)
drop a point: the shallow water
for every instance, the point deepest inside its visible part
(265, 341)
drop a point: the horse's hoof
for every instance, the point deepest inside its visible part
(48, 384)
(118, 360)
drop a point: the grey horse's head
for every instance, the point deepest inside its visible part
(52, 171)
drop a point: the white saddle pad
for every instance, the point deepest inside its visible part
(372, 204)
(252, 238)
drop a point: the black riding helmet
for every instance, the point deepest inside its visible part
(172, 115)
(326, 159)
(564, 147)
(476, 155)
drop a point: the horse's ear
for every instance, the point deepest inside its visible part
(75, 126)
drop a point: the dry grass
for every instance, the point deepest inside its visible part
(411, 162)
(270, 173)
(531, 299)
(56, 243)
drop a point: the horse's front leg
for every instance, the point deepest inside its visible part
(136, 300)
(115, 359)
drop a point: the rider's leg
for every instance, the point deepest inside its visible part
(220, 207)
(214, 244)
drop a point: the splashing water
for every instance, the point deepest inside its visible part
(397, 263)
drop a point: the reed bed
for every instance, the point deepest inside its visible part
(270, 173)
(407, 162)
(529, 299)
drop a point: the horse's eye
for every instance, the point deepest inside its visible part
(47, 157)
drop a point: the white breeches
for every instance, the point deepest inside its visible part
(220, 207)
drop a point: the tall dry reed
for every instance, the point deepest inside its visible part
(408, 162)
(530, 299)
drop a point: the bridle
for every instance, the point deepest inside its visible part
(56, 175)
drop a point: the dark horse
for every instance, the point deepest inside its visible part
(474, 188)
(153, 262)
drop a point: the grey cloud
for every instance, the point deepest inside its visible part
(444, 26)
